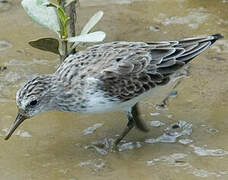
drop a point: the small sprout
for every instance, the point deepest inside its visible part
(63, 19)
(54, 17)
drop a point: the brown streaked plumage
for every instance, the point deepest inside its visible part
(109, 77)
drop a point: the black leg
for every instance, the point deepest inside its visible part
(130, 125)
(133, 119)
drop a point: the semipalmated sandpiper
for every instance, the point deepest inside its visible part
(108, 77)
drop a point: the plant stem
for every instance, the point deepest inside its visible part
(63, 52)
(71, 29)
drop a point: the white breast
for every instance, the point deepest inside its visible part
(98, 103)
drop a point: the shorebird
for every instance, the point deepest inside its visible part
(108, 77)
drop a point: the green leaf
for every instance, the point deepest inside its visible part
(43, 15)
(46, 44)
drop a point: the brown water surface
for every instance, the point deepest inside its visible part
(188, 139)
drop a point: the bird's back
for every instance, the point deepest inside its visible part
(125, 70)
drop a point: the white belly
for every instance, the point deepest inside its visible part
(99, 104)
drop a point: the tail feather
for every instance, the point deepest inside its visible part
(194, 46)
(184, 51)
(217, 36)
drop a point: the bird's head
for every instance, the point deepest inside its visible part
(33, 98)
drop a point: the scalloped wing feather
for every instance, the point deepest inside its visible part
(128, 69)
(147, 65)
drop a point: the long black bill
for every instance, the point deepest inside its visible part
(19, 119)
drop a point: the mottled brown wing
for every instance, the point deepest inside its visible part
(139, 67)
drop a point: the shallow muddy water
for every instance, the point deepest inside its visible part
(188, 137)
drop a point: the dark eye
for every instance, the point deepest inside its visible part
(33, 103)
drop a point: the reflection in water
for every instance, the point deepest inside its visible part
(185, 141)
(209, 152)
(193, 19)
(173, 132)
(156, 123)
(91, 129)
(20, 133)
(72, 146)
(95, 165)
(4, 45)
(180, 161)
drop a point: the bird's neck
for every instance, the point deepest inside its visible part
(67, 98)
(53, 92)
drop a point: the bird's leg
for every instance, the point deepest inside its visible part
(138, 122)
(133, 120)
(130, 125)
(164, 102)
